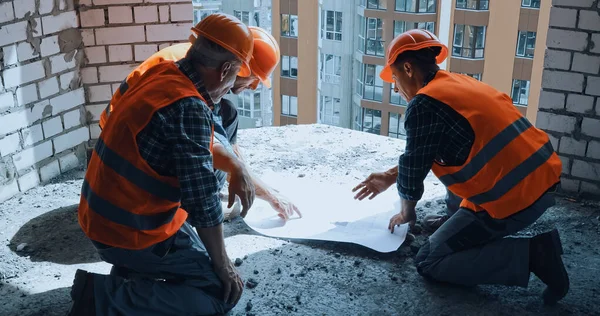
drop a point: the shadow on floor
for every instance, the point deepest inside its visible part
(16, 302)
(56, 237)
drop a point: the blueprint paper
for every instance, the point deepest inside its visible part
(330, 213)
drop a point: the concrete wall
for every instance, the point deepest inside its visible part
(569, 107)
(42, 119)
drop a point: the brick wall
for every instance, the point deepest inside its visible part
(118, 35)
(570, 99)
(41, 99)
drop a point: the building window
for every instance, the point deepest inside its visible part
(473, 4)
(416, 6)
(403, 26)
(396, 126)
(371, 121)
(249, 104)
(476, 76)
(376, 4)
(289, 25)
(357, 112)
(289, 66)
(201, 14)
(329, 110)
(289, 105)
(362, 28)
(374, 39)
(396, 98)
(257, 19)
(531, 3)
(331, 68)
(469, 41)
(373, 84)
(520, 91)
(360, 78)
(244, 16)
(526, 44)
(331, 25)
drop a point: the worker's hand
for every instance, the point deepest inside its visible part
(233, 286)
(241, 184)
(283, 206)
(407, 215)
(373, 185)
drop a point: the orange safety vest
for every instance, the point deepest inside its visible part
(511, 163)
(124, 202)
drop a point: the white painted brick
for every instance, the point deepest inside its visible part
(72, 119)
(595, 43)
(163, 45)
(146, 14)
(65, 80)
(555, 122)
(182, 12)
(13, 121)
(40, 110)
(50, 171)
(93, 17)
(8, 190)
(28, 157)
(52, 127)
(71, 139)
(579, 103)
(120, 14)
(95, 130)
(566, 166)
(13, 33)
(10, 144)
(37, 29)
(56, 23)
(6, 12)
(589, 20)
(1, 85)
(62, 5)
(59, 64)
(554, 142)
(29, 181)
(593, 86)
(67, 101)
(20, 75)
(49, 46)
(163, 12)
(10, 55)
(103, 2)
(591, 188)
(48, 87)
(594, 149)
(120, 53)
(95, 110)
(569, 185)
(590, 127)
(563, 17)
(164, 1)
(586, 170)
(120, 35)
(68, 162)
(27, 94)
(557, 59)
(88, 37)
(561, 80)
(598, 106)
(99, 93)
(167, 32)
(551, 100)
(46, 7)
(25, 52)
(586, 63)
(115, 73)
(96, 54)
(115, 87)
(571, 146)
(142, 52)
(89, 75)
(24, 6)
(32, 135)
(570, 40)
(7, 100)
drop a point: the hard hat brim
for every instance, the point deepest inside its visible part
(386, 73)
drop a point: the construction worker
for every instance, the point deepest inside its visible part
(228, 159)
(486, 153)
(151, 180)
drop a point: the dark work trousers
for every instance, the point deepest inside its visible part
(472, 248)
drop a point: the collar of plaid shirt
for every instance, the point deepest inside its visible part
(186, 67)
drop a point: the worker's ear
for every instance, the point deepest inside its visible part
(408, 68)
(226, 67)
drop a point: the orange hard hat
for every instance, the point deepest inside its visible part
(230, 33)
(414, 39)
(266, 55)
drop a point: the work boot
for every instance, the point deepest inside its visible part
(433, 221)
(82, 294)
(545, 262)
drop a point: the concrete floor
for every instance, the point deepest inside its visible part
(295, 277)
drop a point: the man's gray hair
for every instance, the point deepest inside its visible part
(210, 54)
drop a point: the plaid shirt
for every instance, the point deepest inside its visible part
(176, 143)
(434, 132)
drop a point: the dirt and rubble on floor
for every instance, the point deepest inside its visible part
(42, 246)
